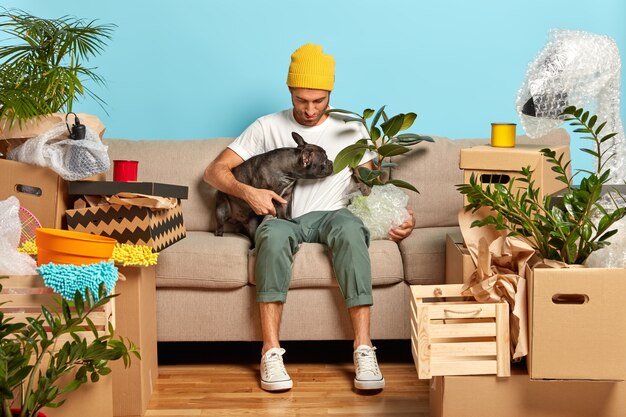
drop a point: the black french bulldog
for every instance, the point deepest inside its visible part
(276, 170)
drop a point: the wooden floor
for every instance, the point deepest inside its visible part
(230, 387)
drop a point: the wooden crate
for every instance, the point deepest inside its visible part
(24, 295)
(458, 337)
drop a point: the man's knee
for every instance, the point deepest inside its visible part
(347, 228)
(274, 233)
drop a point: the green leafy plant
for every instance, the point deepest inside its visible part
(570, 230)
(384, 138)
(44, 71)
(32, 364)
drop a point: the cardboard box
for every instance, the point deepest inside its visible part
(519, 396)
(22, 297)
(11, 137)
(133, 386)
(459, 263)
(39, 189)
(501, 165)
(130, 224)
(576, 323)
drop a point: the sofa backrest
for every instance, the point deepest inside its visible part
(433, 168)
(180, 162)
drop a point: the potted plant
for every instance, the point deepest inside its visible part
(381, 205)
(34, 360)
(384, 138)
(44, 70)
(571, 230)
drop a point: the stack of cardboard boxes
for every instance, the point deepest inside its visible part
(51, 200)
(576, 364)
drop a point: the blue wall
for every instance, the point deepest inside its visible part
(196, 69)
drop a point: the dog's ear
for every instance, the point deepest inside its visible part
(299, 140)
(305, 158)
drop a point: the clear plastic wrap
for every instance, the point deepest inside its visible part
(580, 69)
(71, 159)
(383, 209)
(12, 262)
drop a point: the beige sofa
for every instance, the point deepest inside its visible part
(205, 290)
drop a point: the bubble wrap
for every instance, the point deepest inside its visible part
(383, 209)
(580, 69)
(576, 69)
(71, 159)
(12, 262)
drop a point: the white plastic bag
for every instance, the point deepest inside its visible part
(382, 210)
(71, 159)
(13, 262)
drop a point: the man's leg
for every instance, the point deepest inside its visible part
(360, 317)
(348, 240)
(271, 314)
(276, 242)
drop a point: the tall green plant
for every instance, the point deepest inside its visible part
(569, 231)
(42, 63)
(384, 139)
(32, 363)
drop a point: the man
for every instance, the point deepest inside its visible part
(318, 212)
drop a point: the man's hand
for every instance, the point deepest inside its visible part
(261, 200)
(398, 233)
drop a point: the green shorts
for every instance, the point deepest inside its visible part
(277, 241)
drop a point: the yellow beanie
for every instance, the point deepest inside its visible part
(311, 68)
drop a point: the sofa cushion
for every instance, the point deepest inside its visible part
(424, 255)
(312, 266)
(203, 260)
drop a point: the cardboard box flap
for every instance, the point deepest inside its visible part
(505, 159)
(36, 126)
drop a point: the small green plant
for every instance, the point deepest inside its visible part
(43, 71)
(569, 231)
(384, 138)
(32, 364)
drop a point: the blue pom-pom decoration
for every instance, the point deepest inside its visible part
(67, 279)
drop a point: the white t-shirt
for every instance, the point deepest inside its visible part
(274, 131)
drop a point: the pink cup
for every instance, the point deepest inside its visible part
(125, 171)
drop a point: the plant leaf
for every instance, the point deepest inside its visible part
(350, 156)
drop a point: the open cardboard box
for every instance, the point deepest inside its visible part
(459, 263)
(11, 137)
(577, 323)
(39, 189)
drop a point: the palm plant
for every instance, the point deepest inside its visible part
(43, 71)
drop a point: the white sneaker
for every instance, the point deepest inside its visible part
(368, 375)
(274, 376)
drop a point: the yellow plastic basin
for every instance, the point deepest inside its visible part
(69, 247)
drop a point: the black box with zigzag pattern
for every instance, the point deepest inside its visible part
(157, 228)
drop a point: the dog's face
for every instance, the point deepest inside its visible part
(312, 161)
